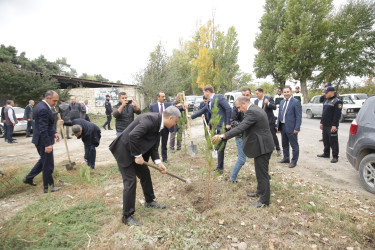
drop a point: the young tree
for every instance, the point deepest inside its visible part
(303, 40)
(271, 25)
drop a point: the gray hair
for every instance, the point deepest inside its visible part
(76, 128)
(49, 93)
(31, 101)
(172, 111)
(9, 102)
(244, 99)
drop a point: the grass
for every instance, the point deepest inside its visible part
(302, 214)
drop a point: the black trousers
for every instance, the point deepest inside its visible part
(164, 140)
(44, 164)
(220, 153)
(330, 140)
(261, 171)
(108, 122)
(129, 179)
(274, 136)
(90, 155)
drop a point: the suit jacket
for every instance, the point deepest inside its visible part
(28, 114)
(43, 130)
(293, 115)
(140, 137)
(207, 114)
(225, 111)
(269, 109)
(155, 108)
(257, 137)
(91, 133)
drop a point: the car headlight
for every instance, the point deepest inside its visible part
(349, 110)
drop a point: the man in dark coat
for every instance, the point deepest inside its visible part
(44, 136)
(108, 112)
(74, 109)
(65, 116)
(28, 116)
(132, 148)
(90, 135)
(257, 144)
(124, 112)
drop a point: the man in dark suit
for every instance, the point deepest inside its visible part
(225, 111)
(266, 103)
(108, 112)
(28, 116)
(90, 134)
(74, 109)
(65, 116)
(44, 136)
(159, 107)
(289, 123)
(257, 144)
(132, 148)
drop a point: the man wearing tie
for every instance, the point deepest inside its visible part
(289, 123)
(159, 107)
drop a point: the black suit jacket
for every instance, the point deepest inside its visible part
(140, 137)
(28, 114)
(91, 133)
(268, 109)
(44, 129)
(257, 137)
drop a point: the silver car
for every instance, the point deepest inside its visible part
(20, 126)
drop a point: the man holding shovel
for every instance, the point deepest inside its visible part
(90, 135)
(132, 149)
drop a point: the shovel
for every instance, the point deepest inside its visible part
(213, 152)
(173, 175)
(192, 149)
(71, 164)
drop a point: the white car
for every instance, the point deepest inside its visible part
(20, 126)
(358, 98)
(232, 97)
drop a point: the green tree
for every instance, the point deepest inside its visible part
(271, 25)
(351, 47)
(303, 40)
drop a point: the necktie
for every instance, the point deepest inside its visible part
(161, 108)
(284, 110)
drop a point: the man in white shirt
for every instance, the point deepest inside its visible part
(11, 121)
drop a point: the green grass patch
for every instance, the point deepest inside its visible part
(51, 224)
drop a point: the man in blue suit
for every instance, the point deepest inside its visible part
(289, 123)
(159, 107)
(225, 111)
(44, 136)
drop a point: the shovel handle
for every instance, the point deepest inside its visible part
(157, 168)
(205, 123)
(63, 132)
(187, 113)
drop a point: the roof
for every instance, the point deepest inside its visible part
(74, 82)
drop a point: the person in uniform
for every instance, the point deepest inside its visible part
(108, 112)
(329, 124)
(278, 97)
(298, 95)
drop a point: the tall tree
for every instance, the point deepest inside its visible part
(351, 46)
(271, 24)
(302, 42)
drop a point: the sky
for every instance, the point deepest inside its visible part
(115, 38)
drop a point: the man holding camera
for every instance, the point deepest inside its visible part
(124, 112)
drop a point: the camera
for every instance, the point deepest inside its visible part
(130, 102)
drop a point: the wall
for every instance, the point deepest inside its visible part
(82, 94)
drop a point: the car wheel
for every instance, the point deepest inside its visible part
(342, 118)
(1, 131)
(367, 172)
(309, 114)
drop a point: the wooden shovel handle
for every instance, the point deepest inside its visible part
(63, 132)
(157, 168)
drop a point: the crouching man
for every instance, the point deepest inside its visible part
(132, 148)
(90, 135)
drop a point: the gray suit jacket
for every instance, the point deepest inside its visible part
(257, 137)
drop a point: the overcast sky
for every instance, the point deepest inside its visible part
(115, 38)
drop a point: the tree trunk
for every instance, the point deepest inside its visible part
(304, 90)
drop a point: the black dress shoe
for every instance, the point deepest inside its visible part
(110, 128)
(104, 128)
(284, 161)
(334, 160)
(28, 136)
(321, 140)
(12, 142)
(28, 181)
(130, 221)
(165, 161)
(252, 195)
(218, 171)
(292, 165)
(258, 204)
(323, 156)
(54, 189)
(68, 137)
(154, 204)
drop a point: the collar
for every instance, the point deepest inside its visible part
(249, 106)
(47, 104)
(212, 97)
(162, 123)
(160, 103)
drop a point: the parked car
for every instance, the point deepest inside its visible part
(20, 126)
(232, 97)
(357, 98)
(360, 149)
(197, 102)
(315, 108)
(190, 101)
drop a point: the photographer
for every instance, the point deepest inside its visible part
(124, 112)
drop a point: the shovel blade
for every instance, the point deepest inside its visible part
(192, 149)
(214, 154)
(70, 166)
